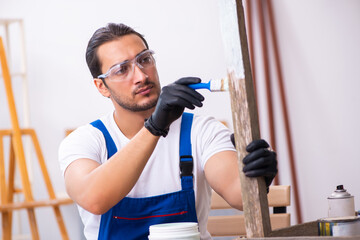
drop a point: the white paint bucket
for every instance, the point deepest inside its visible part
(340, 226)
(176, 231)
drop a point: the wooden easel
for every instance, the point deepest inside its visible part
(16, 154)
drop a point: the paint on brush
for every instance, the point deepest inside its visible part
(215, 85)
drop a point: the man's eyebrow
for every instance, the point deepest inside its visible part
(141, 52)
(128, 59)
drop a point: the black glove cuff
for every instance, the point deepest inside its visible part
(149, 125)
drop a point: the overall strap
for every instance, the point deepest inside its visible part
(110, 145)
(186, 159)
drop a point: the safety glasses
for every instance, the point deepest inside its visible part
(125, 70)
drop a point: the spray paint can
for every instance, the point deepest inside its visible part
(341, 203)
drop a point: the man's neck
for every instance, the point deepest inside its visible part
(129, 122)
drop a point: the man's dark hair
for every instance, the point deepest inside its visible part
(106, 34)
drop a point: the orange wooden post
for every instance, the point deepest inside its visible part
(6, 226)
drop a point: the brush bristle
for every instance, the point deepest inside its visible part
(219, 85)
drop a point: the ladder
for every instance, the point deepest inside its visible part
(17, 159)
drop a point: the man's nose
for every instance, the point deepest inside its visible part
(139, 74)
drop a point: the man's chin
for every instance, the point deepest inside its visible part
(145, 106)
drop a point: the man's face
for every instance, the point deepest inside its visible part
(141, 90)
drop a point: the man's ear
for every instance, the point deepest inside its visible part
(101, 87)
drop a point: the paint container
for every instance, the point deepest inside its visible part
(341, 203)
(340, 226)
(176, 231)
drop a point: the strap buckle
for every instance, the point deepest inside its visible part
(186, 166)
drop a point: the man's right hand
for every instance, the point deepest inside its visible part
(171, 104)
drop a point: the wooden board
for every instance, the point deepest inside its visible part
(244, 113)
(304, 229)
(278, 196)
(234, 225)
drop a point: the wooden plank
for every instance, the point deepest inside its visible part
(278, 196)
(3, 188)
(5, 218)
(304, 229)
(244, 113)
(11, 182)
(228, 225)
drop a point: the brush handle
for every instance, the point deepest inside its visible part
(200, 86)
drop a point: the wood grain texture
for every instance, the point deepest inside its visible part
(244, 113)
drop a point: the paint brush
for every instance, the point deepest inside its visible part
(215, 85)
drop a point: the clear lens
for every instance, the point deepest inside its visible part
(124, 70)
(120, 70)
(145, 60)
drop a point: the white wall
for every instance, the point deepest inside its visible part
(320, 59)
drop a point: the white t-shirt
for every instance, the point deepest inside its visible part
(208, 137)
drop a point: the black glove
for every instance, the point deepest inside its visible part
(260, 161)
(171, 104)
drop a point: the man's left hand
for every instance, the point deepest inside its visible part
(260, 162)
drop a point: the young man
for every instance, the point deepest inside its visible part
(129, 169)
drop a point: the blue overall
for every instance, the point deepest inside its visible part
(131, 217)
